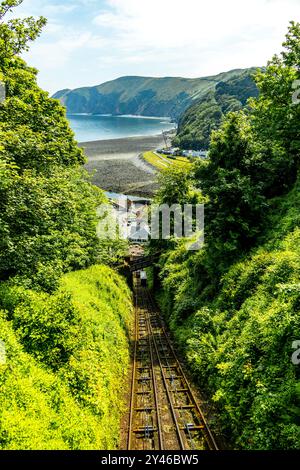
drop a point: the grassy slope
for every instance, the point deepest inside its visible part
(163, 163)
(238, 341)
(78, 403)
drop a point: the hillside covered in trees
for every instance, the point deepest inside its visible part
(234, 306)
(64, 316)
(206, 114)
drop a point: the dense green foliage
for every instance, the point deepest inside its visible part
(66, 362)
(17, 33)
(48, 207)
(64, 328)
(238, 342)
(234, 306)
(145, 96)
(206, 114)
(253, 158)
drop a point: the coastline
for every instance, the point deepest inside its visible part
(117, 166)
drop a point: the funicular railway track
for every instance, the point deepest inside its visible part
(164, 413)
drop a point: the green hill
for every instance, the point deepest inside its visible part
(205, 115)
(145, 96)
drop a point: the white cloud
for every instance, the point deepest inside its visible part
(196, 36)
(54, 55)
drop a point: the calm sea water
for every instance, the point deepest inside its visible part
(88, 128)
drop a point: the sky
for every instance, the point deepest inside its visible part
(88, 42)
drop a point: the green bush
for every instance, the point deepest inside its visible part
(37, 410)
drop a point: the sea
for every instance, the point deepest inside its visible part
(89, 127)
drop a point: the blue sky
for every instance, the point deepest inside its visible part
(87, 42)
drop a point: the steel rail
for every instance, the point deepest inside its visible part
(154, 356)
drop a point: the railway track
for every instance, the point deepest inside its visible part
(164, 413)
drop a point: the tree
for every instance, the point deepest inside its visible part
(253, 158)
(275, 116)
(176, 186)
(34, 131)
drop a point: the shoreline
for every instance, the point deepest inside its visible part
(117, 166)
(167, 119)
(122, 148)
